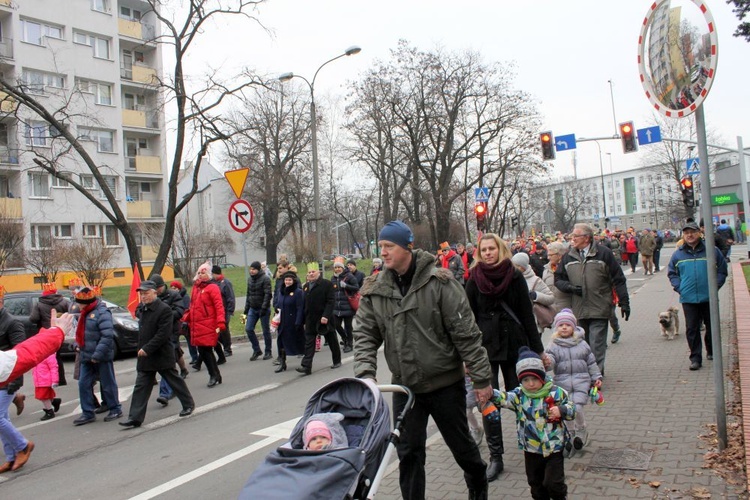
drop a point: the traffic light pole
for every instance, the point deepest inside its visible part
(713, 287)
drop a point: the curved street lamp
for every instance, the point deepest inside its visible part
(285, 77)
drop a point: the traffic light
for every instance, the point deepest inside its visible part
(548, 145)
(480, 210)
(688, 193)
(627, 135)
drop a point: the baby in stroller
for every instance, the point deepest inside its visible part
(323, 431)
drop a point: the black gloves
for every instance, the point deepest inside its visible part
(532, 295)
(578, 290)
(625, 308)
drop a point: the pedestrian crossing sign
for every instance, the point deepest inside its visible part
(693, 166)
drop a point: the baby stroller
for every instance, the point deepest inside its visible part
(291, 472)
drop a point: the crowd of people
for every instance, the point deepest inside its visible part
(477, 312)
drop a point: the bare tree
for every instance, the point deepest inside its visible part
(11, 242)
(45, 261)
(90, 259)
(197, 105)
(273, 138)
(190, 249)
(444, 123)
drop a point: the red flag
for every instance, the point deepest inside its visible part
(133, 298)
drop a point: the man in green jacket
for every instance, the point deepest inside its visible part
(422, 316)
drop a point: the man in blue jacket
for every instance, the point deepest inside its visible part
(688, 273)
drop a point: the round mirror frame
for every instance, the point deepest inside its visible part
(646, 78)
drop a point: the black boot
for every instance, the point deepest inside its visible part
(493, 431)
(282, 364)
(48, 414)
(480, 494)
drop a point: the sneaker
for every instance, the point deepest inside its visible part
(616, 336)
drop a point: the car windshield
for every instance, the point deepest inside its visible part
(112, 307)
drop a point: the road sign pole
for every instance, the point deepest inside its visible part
(713, 287)
(743, 182)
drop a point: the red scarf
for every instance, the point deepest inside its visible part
(493, 280)
(81, 326)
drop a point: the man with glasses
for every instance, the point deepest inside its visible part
(319, 300)
(589, 272)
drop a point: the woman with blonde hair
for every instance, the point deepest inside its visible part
(499, 298)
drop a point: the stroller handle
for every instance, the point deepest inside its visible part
(395, 434)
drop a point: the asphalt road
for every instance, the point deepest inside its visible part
(207, 455)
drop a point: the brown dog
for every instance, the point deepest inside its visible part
(669, 321)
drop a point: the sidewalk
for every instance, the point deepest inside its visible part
(654, 405)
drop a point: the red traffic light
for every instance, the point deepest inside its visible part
(626, 128)
(480, 209)
(687, 183)
(546, 138)
(627, 136)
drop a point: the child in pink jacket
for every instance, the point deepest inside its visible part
(46, 377)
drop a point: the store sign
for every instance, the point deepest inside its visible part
(724, 199)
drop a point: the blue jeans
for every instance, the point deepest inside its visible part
(253, 315)
(106, 370)
(13, 441)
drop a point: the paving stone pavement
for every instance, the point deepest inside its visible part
(652, 403)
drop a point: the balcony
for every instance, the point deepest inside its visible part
(10, 208)
(135, 29)
(8, 156)
(144, 164)
(7, 103)
(6, 46)
(139, 119)
(139, 74)
(145, 209)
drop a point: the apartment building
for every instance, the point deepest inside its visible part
(98, 58)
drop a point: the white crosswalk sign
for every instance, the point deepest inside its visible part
(693, 166)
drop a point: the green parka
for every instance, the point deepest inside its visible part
(428, 334)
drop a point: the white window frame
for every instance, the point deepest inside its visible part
(102, 92)
(35, 237)
(53, 31)
(111, 236)
(37, 134)
(105, 139)
(58, 183)
(87, 181)
(59, 231)
(86, 230)
(101, 6)
(39, 186)
(130, 14)
(38, 81)
(95, 42)
(112, 181)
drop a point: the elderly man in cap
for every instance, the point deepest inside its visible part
(688, 274)
(319, 300)
(155, 355)
(95, 339)
(422, 316)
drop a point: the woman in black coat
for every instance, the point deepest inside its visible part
(499, 298)
(344, 286)
(291, 334)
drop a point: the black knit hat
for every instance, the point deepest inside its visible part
(216, 270)
(255, 265)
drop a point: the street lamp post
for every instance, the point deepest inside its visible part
(314, 126)
(604, 194)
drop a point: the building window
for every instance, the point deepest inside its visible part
(111, 181)
(34, 32)
(111, 236)
(87, 181)
(100, 5)
(130, 14)
(41, 236)
(37, 134)
(90, 230)
(63, 231)
(39, 185)
(59, 183)
(37, 81)
(105, 139)
(102, 91)
(617, 183)
(99, 44)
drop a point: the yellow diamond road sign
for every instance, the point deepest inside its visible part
(237, 179)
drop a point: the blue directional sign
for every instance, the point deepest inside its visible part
(482, 194)
(693, 166)
(565, 142)
(649, 135)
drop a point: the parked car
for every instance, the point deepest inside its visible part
(19, 305)
(352, 256)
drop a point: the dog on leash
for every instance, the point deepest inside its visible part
(669, 321)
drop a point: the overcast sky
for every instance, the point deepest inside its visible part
(564, 54)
